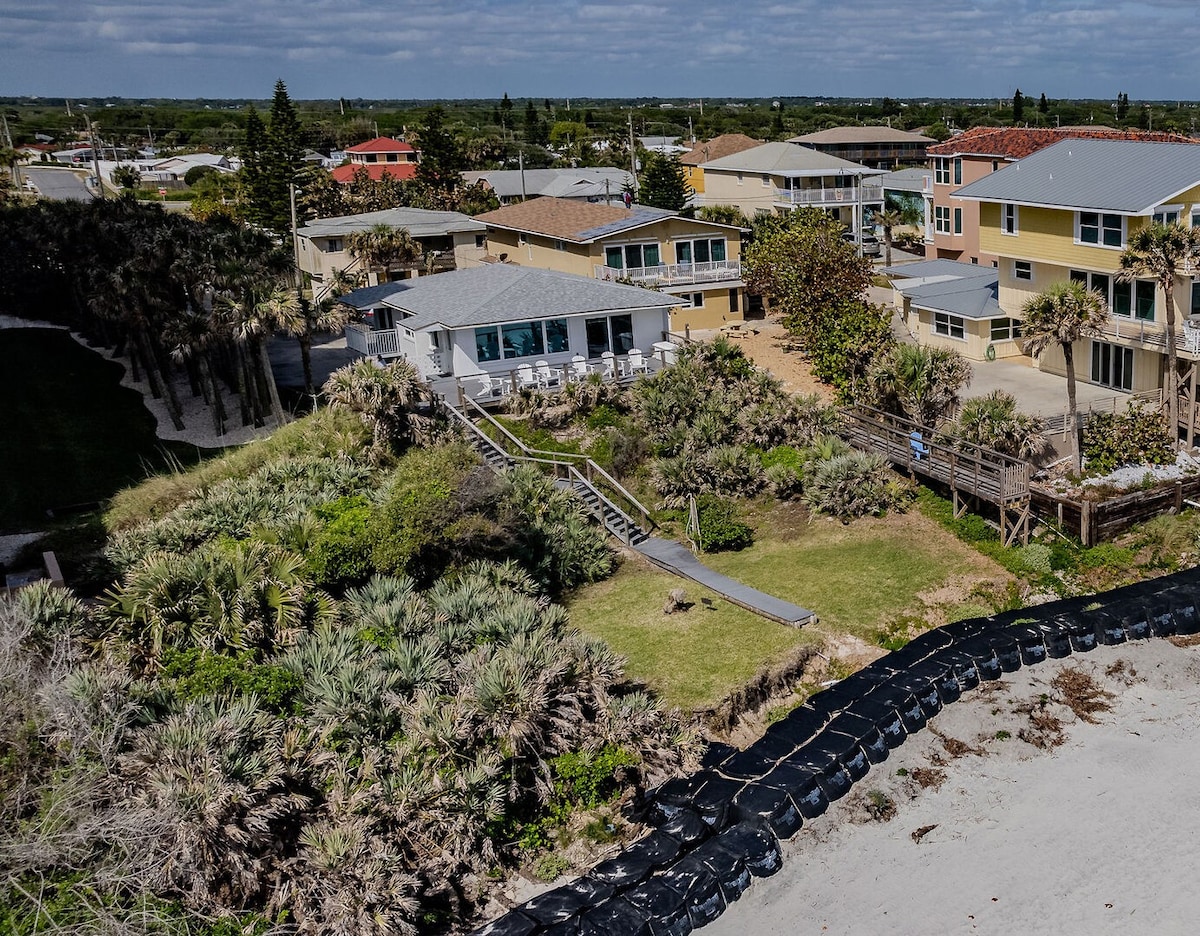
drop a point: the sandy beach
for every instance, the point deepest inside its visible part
(1012, 815)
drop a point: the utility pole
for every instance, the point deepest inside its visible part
(521, 166)
(632, 154)
(691, 132)
(295, 241)
(16, 166)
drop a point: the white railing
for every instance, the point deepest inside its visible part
(1187, 338)
(675, 274)
(365, 340)
(825, 196)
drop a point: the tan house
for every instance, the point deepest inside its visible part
(1066, 213)
(779, 177)
(952, 226)
(697, 261)
(449, 240)
(727, 144)
(947, 304)
(877, 147)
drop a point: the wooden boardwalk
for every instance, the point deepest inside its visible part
(973, 474)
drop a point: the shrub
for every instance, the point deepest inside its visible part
(340, 555)
(786, 483)
(590, 778)
(1036, 557)
(196, 173)
(603, 416)
(853, 486)
(1139, 436)
(720, 528)
(195, 673)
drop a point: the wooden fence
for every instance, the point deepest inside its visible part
(1103, 520)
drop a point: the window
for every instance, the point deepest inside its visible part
(1112, 365)
(556, 336)
(487, 344)
(480, 240)
(1165, 215)
(941, 219)
(941, 170)
(958, 171)
(609, 334)
(949, 325)
(334, 245)
(632, 256)
(700, 251)
(1196, 298)
(739, 178)
(995, 165)
(560, 245)
(1103, 230)
(1023, 270)
(1143, 300)
(766, 180)
(694, 300)
(523, 339)
(1122, 299)
(1005, 329)
(1008, 219)
(597, 337)
(957, 220)
(1196, 217)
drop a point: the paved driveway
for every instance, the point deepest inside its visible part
(58, 184)
(1036, 392)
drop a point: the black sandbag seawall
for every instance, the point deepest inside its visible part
(719, 828)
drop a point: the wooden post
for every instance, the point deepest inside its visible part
(1085, 522)
(1191, 429)
(1178, 497)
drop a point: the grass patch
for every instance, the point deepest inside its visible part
(692, 659)
(856, 577)
(72, 434)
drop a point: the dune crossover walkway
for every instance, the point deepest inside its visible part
(619, 511)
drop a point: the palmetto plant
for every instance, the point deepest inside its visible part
(388, 399)
(993, 421)
(919, 382)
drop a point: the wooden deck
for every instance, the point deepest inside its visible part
(972, 474)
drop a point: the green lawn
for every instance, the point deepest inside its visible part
(692, 659)
(855, 577)
(71, 433)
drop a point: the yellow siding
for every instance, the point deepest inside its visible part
(695, 178)
(1147, 365)
(973, 346)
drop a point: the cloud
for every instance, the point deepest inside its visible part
(560, 48)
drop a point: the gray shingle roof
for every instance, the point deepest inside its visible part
(570, 183)
(788, 159)
(418, 221)
(962, 289)
(366, 297)
(500, 292)
(1127, 177)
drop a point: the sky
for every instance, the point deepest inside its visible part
(567, 48)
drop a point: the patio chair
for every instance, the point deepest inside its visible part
(547, 376)
(636, 362)
(579, 367)
(608, 363)
(525, 376)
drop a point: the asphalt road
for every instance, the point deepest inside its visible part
(59, 184)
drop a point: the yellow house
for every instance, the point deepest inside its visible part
(727, 144)
(948, 304)
(697, 261)
(1066, 213)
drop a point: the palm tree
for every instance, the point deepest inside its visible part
(993, 421)
(887, 219)
(305, 318)
(1162, 252)
(387, 399)
(380, 247)
(1062, 315)
(919, 382)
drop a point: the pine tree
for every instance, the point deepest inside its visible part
(1043, 104)
(285, 158)
(664, 185)
(254, 167)
(1018, 106)
(1122, 105)
(442, 160)
(536, 131)
(506, 110)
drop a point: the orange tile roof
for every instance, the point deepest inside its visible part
(381, 145)
(1019, 142)
(565, 218)
(398, 171)
(719, 147)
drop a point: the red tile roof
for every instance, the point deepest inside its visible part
(1019, 142)
(727, 144)
(398, 171)
(381, 145)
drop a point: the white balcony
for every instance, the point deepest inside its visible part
(847, 195)
(365, 340)
(1152, 334)
(675, 274)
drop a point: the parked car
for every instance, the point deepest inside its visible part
(870, 243)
